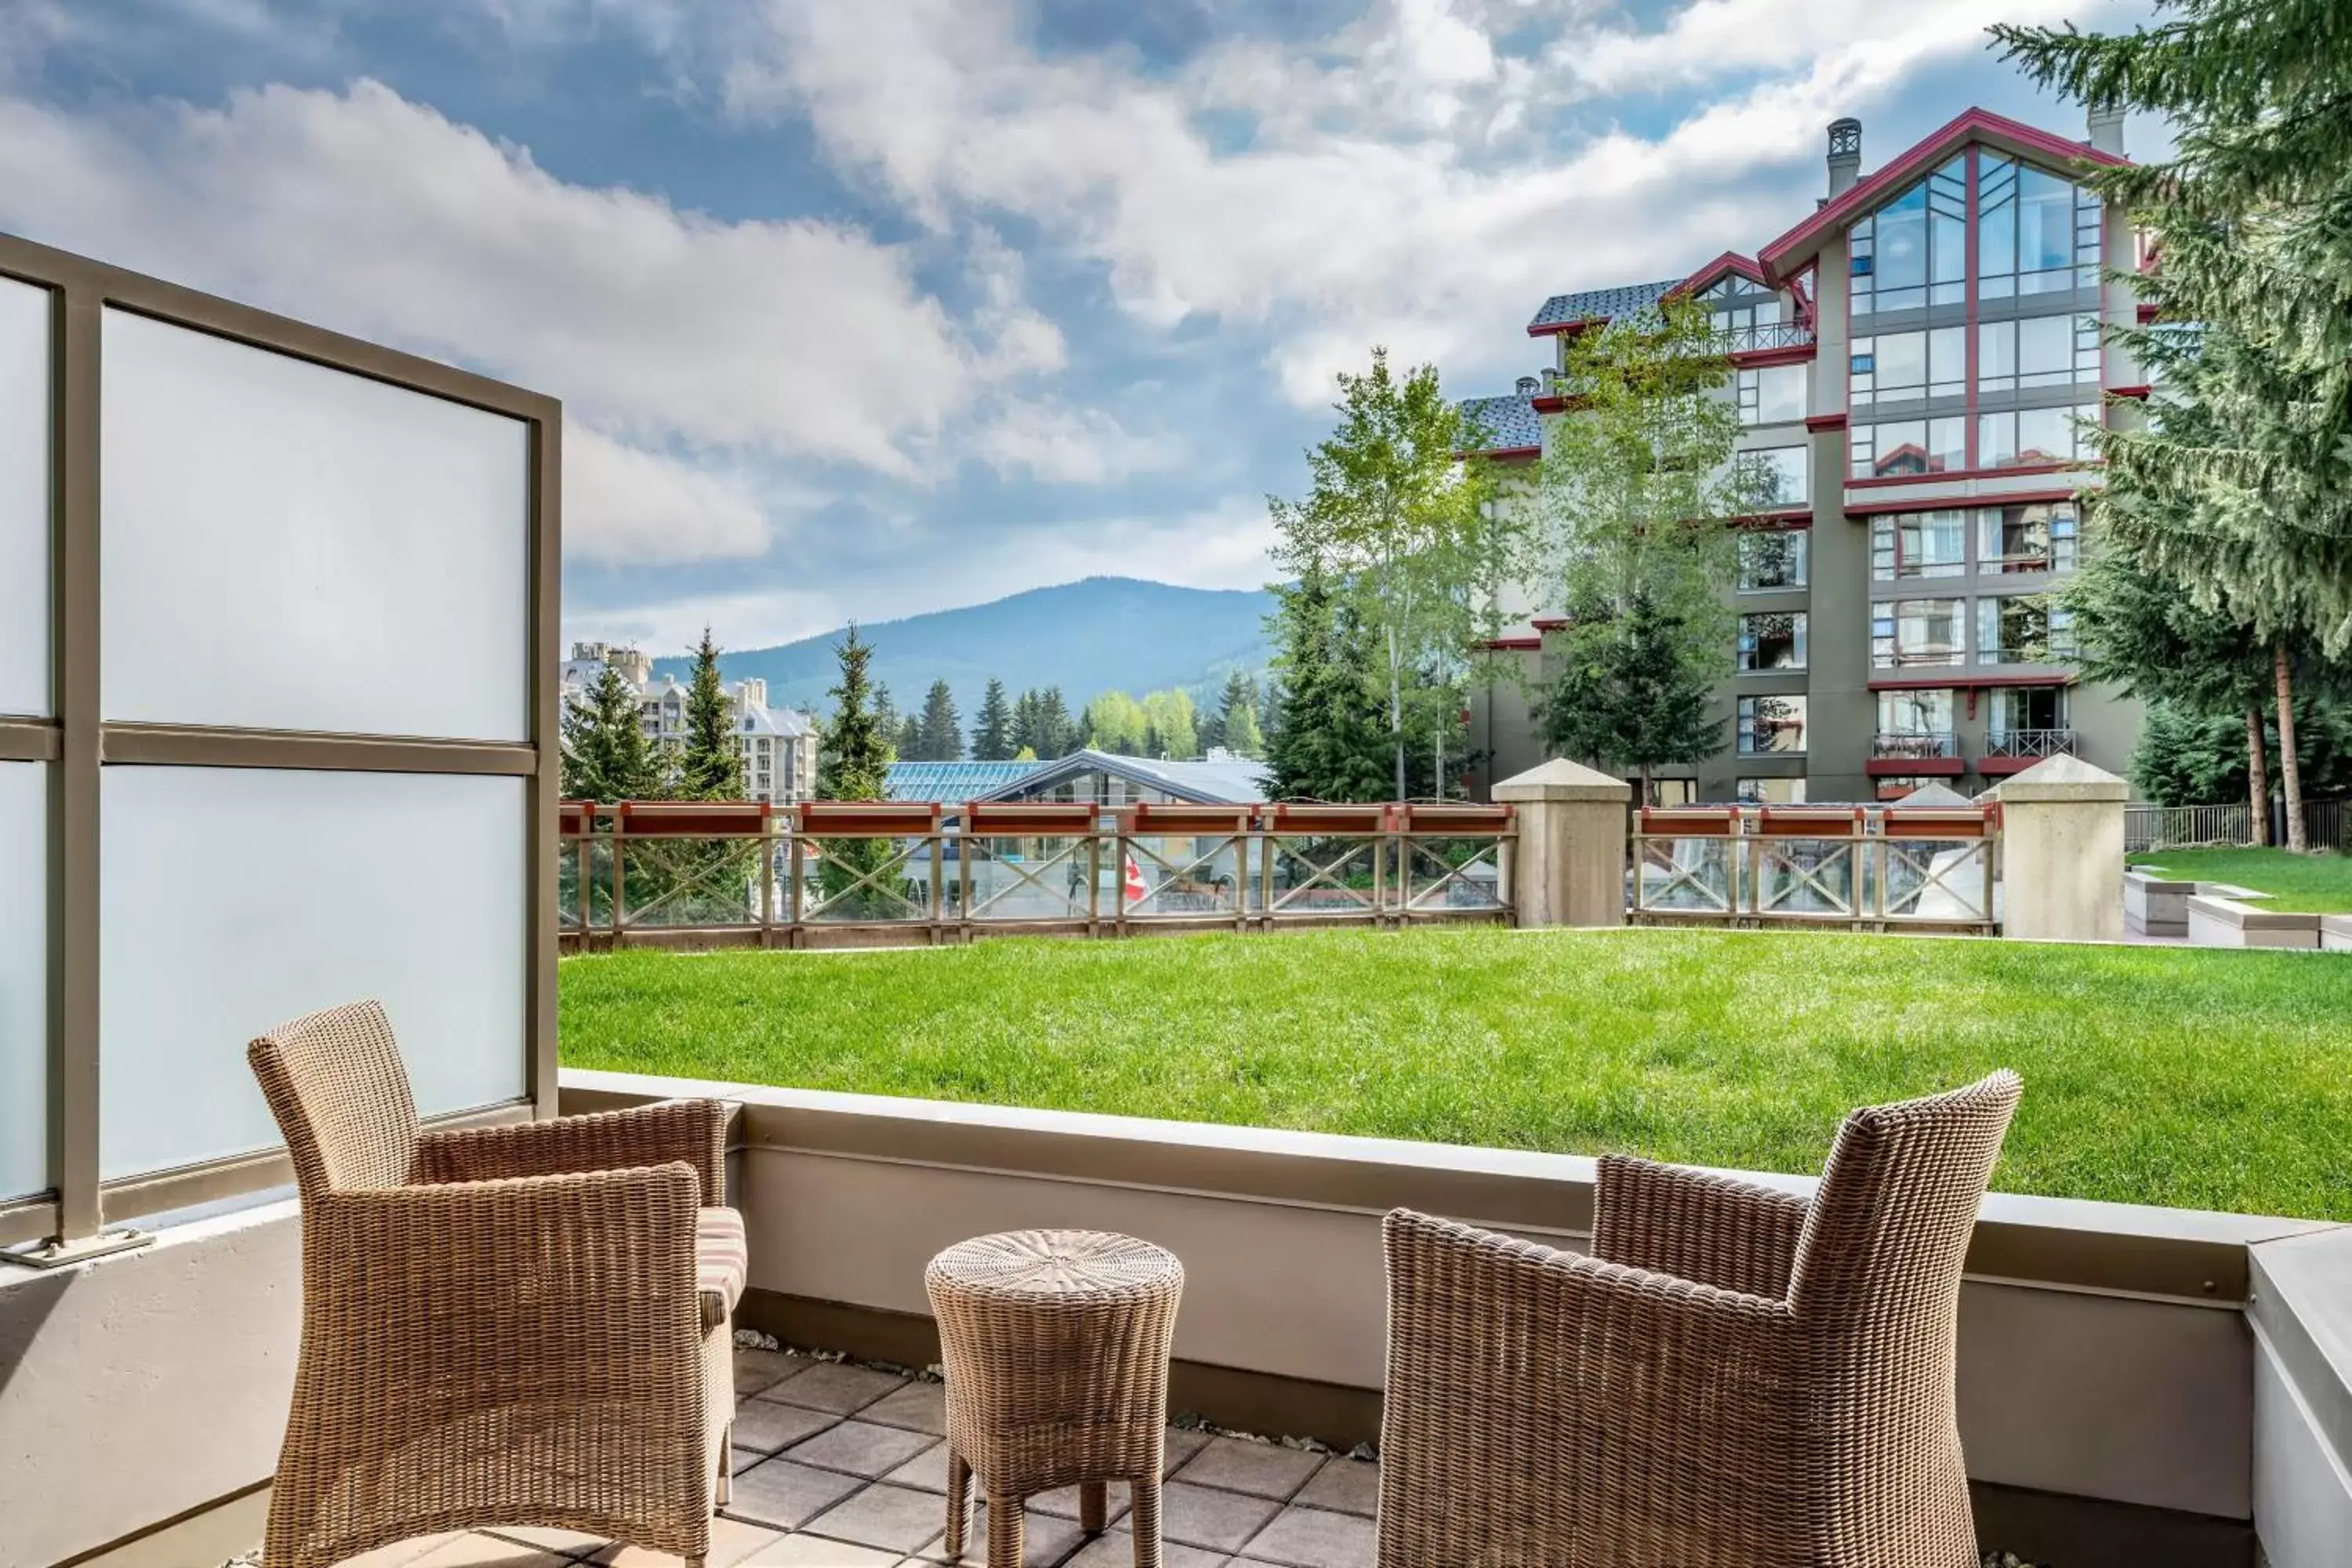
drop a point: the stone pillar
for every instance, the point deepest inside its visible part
(1570, 866)
(2062, 852)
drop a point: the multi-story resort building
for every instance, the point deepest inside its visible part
(1911, 360)
(778, 744)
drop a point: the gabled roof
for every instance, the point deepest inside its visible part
(1729, 261)
(1565, 312)
(1785, 254)
(1203, 783)
(1510, 423)
(955, 783)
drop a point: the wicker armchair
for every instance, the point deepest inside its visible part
(514, 1325)
(1736, 1378)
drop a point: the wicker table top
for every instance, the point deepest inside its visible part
(1057, 1265)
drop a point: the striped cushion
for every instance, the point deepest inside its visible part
(720, 1261)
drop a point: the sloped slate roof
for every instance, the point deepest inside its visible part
(1506, 422)
(1563, 310)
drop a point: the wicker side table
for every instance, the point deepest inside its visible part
(1056, 1351)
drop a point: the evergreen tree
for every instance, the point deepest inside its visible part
(607, 756)
(887, 719)
(1057, 733)
(855, 766)
(940, 731)
(1024, 723)
(1235, 721)
(991, 738)
(1328, 743)
(710, 760)
(1628, 697)
(2240, 481)
(910, 740)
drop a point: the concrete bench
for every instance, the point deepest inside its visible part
(2336, 932)
(2156, 905)
(2225, 922)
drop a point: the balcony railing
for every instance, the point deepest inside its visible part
(1794, 865)
(754, 874)
(2030, 743)
(1911, 746)
(1763, 336)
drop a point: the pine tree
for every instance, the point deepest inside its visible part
(2240, 479)
(855, 766)
(912, 746)
(607, 756)
(886, 721)
(1328, 743)
(1058, 733)
(1024, 723)
(1235, 725)
(992, 737)
(1627, 695)
(710, 760)
(940, 729)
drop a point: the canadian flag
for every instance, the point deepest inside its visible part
(1135, 892)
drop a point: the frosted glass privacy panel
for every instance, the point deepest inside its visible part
(290, 547)
(23, 978)
(24, 498)
(235, 898)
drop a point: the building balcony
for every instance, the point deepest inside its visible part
(2014, 751)
(1764, 338)
(1906, 752)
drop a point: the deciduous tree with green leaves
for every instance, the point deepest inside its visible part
(1397, 522)
(1638, 492)
(1170, 725)
(2240, 481)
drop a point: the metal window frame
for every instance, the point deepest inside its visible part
(74, 1213)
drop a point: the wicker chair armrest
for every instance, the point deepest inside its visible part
(693, 1130)
(1713, 1230)
(1534, 1395)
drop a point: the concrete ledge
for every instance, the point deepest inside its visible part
(2336, 932)
(2227, 922)
(2302, 1316)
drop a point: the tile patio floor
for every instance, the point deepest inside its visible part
(839, 1466)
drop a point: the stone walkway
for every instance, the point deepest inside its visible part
(838, 1466)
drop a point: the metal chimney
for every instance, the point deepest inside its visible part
(2106, 124)
(1527, 386)
(1846, 155)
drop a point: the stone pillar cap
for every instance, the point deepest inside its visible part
(1560, 779)
(2061, 779)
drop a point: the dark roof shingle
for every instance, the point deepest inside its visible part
(1596, 304)
(1506, 423)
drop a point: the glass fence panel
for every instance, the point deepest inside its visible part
(1021, 878)
(292, 547)
(584, 863)
(1803, 875)
(1320, 875)
(1180, 876)
(1691, 875)
(867, 880)
(23, 978)
(1944, 881)
(231, 900)
(1451, 874)
(24, 586)
(687, 881)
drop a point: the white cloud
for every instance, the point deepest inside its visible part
(1060, 445)
(755, 619)
(623, 503)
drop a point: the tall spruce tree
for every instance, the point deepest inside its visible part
(710, 756)
(1328, 743)
(992, 736)
(607, 755)
(1628, 695)
(2239, 480)
(1024, 723)
(855, 766)
(1058, 733)
(940, 732)
(1235, 724)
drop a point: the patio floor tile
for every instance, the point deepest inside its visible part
(1044, 1540)
(1181, 1445)
(563, 1542)
(863, 1449)
(490, 1551)
(784, 1496)
(1116, 1548)
(1263, 1469)
(836, 1386)
(764, 1425)
(1204, 1516)
(1315, 1538)
(731, 1543)
(1062, 1502)
(920, 1405)
(927, 1471)
(891, 1518)
(756, 1370)
(1344, 1486)
(816, 1552)
(400, 1554)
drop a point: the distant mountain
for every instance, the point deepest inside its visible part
(1103, 634)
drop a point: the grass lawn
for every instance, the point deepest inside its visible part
(2319, 883)
(2198, 1079)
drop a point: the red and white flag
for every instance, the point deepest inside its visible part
(1135, 892)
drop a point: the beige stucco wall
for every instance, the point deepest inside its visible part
(2062, 854)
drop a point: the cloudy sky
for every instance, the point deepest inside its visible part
(871, 307)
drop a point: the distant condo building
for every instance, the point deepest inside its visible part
(1910, 361)
(778, 744)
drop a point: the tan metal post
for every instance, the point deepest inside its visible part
(1571, 843)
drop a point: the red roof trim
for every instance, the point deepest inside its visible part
(1973, 124)
(1550, 622)
(1913, 767)
(1817, 423)
(1798, 354)
(2138, 393)
(1501, 453)
(1566, 329)
(1886, 481)
(1962, 682)
(1729, 261)
(1943, 503)
(1549, 403)
(1512, 644)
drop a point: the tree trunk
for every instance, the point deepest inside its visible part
(2258, 778)
(1645, 785)
(2290, 770)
